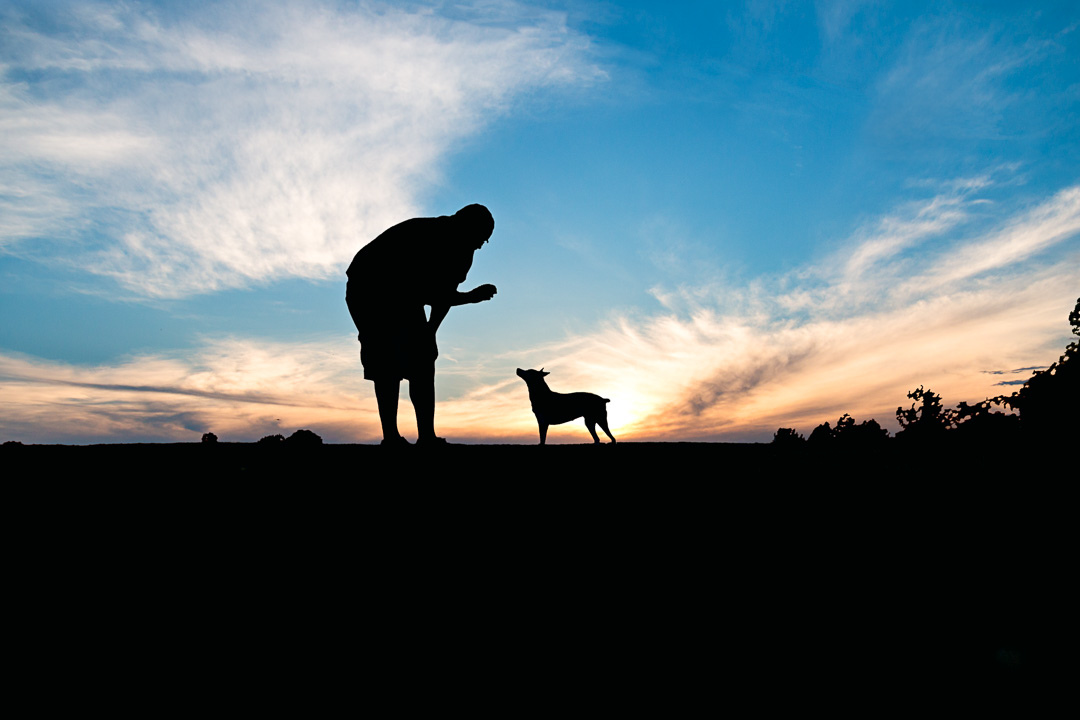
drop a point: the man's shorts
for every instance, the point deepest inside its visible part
(395, 341)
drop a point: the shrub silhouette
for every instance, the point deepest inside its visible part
(865, 433)
(1047, 409)
(271, 440)
(847, 433)
(926, 421)
(787, 436)
(821, 435)
(303, 438)
(977, 422)
(209, 437)
(1049, 403)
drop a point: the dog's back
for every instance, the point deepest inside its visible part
(564, 407)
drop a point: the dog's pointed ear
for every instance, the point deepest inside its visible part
(542, 373)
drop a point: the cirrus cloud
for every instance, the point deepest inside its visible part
(788, 351)
(226, 145)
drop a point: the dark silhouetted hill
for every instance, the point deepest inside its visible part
(675, 567)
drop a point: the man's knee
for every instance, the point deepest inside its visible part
(422, 371)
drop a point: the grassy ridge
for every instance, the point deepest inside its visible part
(655, 569)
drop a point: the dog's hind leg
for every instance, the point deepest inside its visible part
(602, 420)
(591, 424)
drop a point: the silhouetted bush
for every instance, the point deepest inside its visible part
(848, 434)
(1048, 407)
(271, 440)
(1049, 403)
(12, 443)
(787, 436)
(976, 422)
(209, 437)
(821, 435)
(304, 438)
(925, 421)
(867, 432)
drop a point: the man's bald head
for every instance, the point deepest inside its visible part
(476, 222)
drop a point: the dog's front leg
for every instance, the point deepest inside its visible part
(543, 433)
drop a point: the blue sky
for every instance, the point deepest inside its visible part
(727, 217)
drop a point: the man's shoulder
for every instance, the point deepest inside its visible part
(421, 228)
(416, 230)
(400, 242)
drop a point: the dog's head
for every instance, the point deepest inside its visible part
(532, 376)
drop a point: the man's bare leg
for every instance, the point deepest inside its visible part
(422, 394)
(386, 394)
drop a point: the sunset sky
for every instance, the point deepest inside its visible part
(726, 217)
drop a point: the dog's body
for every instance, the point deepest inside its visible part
(552, 408)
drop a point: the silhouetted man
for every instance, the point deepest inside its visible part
(415, 263)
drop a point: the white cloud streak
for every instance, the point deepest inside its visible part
(239, 389)
(952, 80)
(794, 352)
(239, 144)
(903, 303)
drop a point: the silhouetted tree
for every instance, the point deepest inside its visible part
(977, 422)
(926, 421)
(865, 433)
(1049, 403)
(271, 440)
(821, 435)
(787, 436)
(848, 433)
(209, 437)
(303, 438)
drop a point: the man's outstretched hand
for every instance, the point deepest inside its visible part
(482, 293)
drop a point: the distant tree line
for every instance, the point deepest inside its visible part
(1046, 407)
(300, 438)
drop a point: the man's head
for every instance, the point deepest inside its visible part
(476, 223)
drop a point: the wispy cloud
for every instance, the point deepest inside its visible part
(834, 18)
(908, 300)
(955, 78)
(240, 389)
(939, 308)
(187, 151)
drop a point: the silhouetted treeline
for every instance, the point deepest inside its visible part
(1046, 408)
(300, 438)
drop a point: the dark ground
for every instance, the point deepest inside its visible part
(659, 576)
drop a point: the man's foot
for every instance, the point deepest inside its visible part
(397, 442)
(431, 442)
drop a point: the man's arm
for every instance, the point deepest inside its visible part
(476, 295)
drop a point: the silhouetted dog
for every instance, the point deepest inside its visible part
(552, 408)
